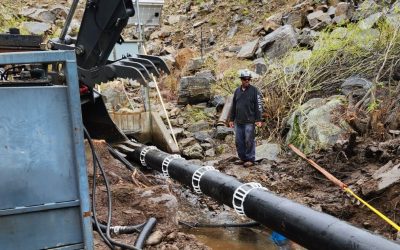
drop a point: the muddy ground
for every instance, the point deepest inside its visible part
(139, 195)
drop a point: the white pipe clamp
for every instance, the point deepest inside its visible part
(197, 176)
(143, 154)
(240, 195)
(166, 162)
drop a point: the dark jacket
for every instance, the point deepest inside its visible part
(247, 105)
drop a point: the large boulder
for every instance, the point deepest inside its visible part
(194, 89)
(279, 42)
(318, 124)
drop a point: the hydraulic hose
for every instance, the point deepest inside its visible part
(120, 229)
(307, 227)
(107, 237)
(147, 228)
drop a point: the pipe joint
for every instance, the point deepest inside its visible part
(166, 162)
(197, 176)
(143, 154)
(240, 194)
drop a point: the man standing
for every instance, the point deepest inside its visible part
(246, 111)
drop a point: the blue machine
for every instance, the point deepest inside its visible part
(44, 198)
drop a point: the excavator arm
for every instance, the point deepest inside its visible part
(101, 28)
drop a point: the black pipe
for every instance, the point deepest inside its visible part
(147, 228)
(307, 227)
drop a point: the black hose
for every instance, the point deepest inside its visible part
(109, 241)
(196, 224)
(120, 158)
(148, 227)
(96, 222)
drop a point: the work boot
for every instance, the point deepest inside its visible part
(248, 164)
(239, 162)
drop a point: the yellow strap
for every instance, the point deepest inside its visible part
(373, 209)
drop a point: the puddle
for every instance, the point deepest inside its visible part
(233, 238)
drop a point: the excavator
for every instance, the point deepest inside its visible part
(44, 190)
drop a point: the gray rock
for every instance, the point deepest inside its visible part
(187, 141)
(207, 7)
(260, 67)
(195, 64)
(232, 31)
(36, 28)
(318, 19)
(206, 145)
(317, 125)
(198, 126)
(387, 175)
(365, 9)
(331, 11)
(370, 21)
(344, 10)
(383, 178)
(221, 132)
(210, 152)
(154, 238)
(40, 15)
(173, 19)
(208, 74)
(194, 90)
(356, 85)
(269, 151)
(217, 101)
(203, 136)
(393, 20)
(279, 42)
(60, 11)
(295, 18)
(237, 18)
(199, 23)
(193, 152)
(177, 131)
(248, 50)
(307, 37)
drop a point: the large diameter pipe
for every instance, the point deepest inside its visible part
(224, 117)
(307, 227)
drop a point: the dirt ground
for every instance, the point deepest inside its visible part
(137, 196)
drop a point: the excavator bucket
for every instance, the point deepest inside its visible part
(98, 122)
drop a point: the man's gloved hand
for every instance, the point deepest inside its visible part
(231, 124)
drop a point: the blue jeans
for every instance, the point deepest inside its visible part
(245, 141)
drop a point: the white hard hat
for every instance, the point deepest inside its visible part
(245, 73)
